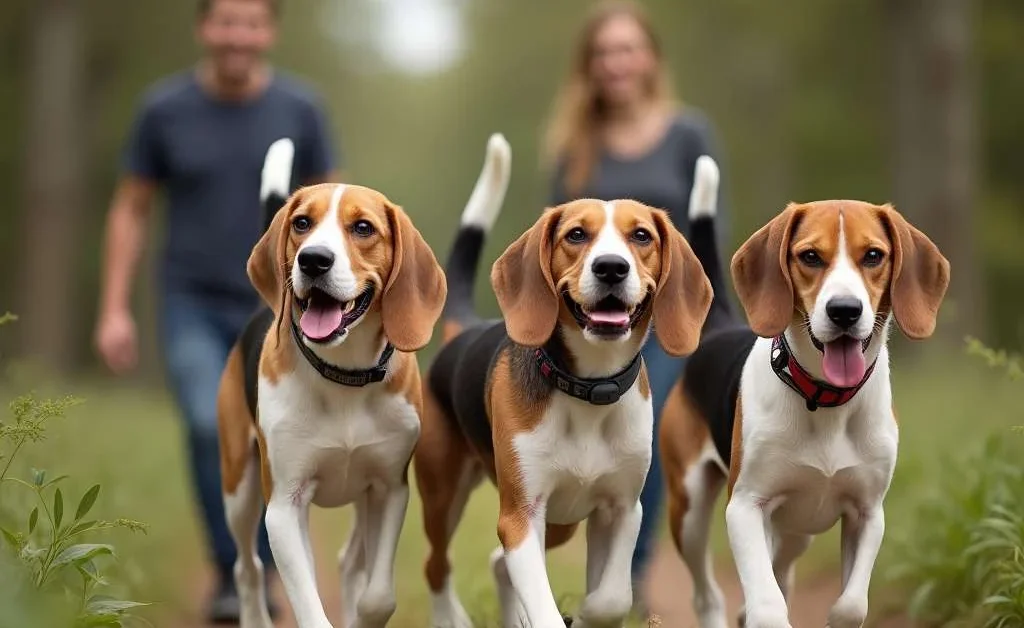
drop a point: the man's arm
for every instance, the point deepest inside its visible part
(116, 339)
(126, 230)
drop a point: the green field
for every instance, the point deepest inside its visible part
(131, 442)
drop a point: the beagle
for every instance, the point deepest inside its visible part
(552, 403)
(795, 411)
(325, 386)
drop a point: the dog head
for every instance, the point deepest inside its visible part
(835, 271)
(335, 253)
(605, 269)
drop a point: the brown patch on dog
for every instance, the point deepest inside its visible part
(441, 457)
(512, 414)
(682, 436)
(266, 479)
(683, 295)
(234, 423)
(644, 382)
(557, 535)
(760, 273)
(736, 453)
(405, 381)
(920, 276)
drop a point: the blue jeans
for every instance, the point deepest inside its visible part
(663, 371)
(197, 334)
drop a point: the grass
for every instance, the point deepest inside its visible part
(131, 442)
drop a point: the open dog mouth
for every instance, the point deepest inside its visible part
(608, 317)
(325, 318)
(843, 359)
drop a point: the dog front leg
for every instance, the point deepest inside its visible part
(522, 539)
(386, 513)
(611, 538)
(764, 604)
(862, 538)
(285, 515)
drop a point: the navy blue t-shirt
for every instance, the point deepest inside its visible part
(208, 156)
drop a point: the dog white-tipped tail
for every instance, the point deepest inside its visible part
(704, 194)
(485, 202)
(277, 169)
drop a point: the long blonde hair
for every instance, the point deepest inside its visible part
(572, 133)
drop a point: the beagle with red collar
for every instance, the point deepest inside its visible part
(552, 403)
(320, 400)
(794, 413)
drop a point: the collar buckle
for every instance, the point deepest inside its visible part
(604, 393)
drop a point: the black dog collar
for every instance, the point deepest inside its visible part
(599, 392)
(342, 376)
(816, 393)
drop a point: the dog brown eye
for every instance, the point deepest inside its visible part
(301, 224)
(576, 236)
(811, 258)
(873, 258)
(641, 236)
(362, 228)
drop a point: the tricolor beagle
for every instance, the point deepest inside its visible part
(329, 373)
(552, 403)
(795, 412)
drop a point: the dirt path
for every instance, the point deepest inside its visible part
(668, 590)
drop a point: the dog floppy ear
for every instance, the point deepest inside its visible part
(683, 296)
(416, 288)
(268, 265)
(920, 276)
(523, 284)
(760, 272)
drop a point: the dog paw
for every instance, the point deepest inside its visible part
(848, 612)
(766, 617)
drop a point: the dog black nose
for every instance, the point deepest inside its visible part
(844, 311)
(610, 268)
(315, 260)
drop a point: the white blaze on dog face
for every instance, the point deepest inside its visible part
(605, 264)
(323, 236)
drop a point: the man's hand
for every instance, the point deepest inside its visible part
(115, 337)
(117, 341)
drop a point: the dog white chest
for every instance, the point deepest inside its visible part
(832, 475)
(583, 457)
(340, 440)
(814, 467)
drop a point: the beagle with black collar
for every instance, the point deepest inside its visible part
(324, 385)
(552, 403)
(795, 411)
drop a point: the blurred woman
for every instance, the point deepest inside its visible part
(617, 132)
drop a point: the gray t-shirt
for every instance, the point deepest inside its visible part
(208, 156)
(661, 178)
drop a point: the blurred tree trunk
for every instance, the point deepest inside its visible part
(935, 142)
(54, 185)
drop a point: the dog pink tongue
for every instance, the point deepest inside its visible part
(320, 320)
(844, 362)
(609, 318)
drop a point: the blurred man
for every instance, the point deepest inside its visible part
(201, 137)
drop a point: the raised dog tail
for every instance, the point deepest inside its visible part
(275, 183)
(478, 217)
(704, 239)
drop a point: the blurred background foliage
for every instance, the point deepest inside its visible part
(912, 101)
